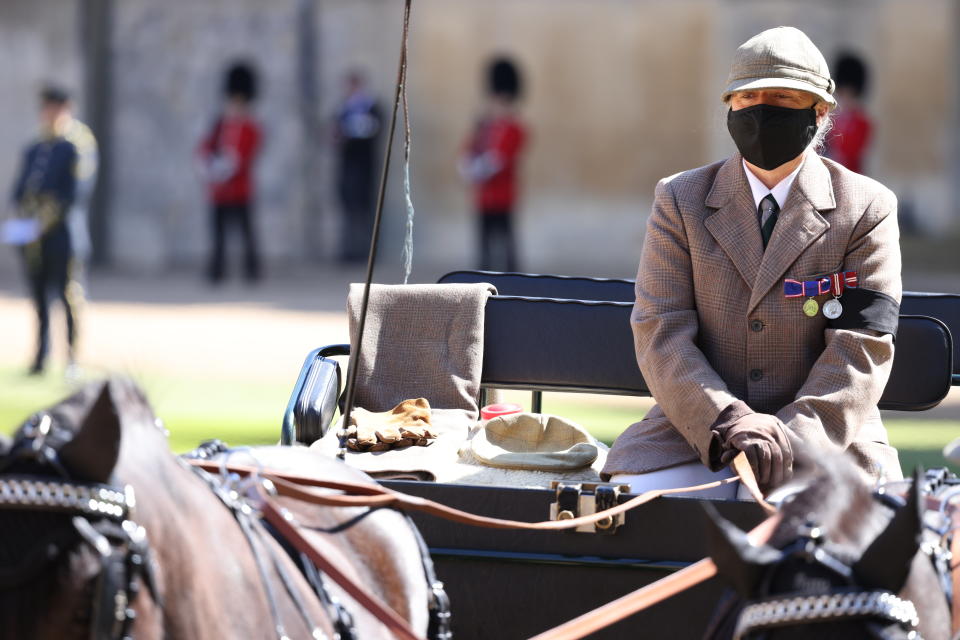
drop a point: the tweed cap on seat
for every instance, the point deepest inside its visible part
(533, 441)
(783, 57)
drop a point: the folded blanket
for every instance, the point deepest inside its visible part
(419, 340)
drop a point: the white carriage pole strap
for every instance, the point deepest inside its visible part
(955, 569)
(375, 235)
(407, 253)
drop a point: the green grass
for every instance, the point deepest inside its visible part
(250, 412)
(193, 409)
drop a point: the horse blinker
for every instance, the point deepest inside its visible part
(886, 562)
(739, 561)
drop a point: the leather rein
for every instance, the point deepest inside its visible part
(372, 495)
(273, 483)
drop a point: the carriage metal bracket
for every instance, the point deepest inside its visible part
(586, 498)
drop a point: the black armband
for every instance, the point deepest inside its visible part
(866, 309)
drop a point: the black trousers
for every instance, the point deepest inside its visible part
(224, 217)
(48, 265)
(497, 245)
(357, 207)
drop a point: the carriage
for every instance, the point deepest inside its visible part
(540, 334)
(545, 333)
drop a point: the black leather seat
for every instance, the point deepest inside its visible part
(548, 344)
(942, 306)
(945, 307)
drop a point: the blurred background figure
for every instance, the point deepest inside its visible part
(357, 130)
(848, 141)
(50, 196)
(489, 163)
(227, 156)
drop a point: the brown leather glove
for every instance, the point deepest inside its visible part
(405, 425)
(765, 441)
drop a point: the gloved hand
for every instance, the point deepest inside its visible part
(406, 424)
(765, 441)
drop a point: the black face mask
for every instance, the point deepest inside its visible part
(767, 136)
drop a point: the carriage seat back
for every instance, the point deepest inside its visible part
(942, 306)
(586, 345)
(548, 344)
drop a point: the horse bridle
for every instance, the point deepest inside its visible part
(102, 516)
(885, 610)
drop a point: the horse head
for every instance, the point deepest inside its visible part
(105, 534)
(844, 562)
(71, 556)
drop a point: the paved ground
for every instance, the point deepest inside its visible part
(177, 323)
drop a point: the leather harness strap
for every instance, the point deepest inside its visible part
(647, 596)
(373, 495)
(741, 466)
(397, 625)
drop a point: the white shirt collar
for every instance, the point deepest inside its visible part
(779, 191)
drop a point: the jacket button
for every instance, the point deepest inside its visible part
(756, 325)
(756, 374)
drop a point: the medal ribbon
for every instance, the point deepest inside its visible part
(836, 285)
(833, 283)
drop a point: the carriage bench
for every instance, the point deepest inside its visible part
(514, 584)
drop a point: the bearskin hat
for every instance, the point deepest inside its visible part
(504, 78)
(241, 81)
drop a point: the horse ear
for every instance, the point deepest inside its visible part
(886, 562)
(739, 561)
(93, 451)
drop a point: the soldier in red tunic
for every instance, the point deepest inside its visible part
(849, 139)
(227, 155)
(489, 162)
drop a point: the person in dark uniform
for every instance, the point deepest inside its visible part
(489, 163)
(227, 156)
(357, 130)
(43, 195)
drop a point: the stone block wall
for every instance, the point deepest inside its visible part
(620, 93)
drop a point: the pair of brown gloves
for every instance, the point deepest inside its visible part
(762, 437)
(406, 425)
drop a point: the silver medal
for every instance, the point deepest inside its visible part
(832, 309)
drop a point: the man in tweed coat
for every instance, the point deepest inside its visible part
(736, 358)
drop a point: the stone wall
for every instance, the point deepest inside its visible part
(620, 93)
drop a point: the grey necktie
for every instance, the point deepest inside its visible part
(768, 217)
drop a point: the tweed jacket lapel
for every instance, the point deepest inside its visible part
(731, 224)
(798, 225)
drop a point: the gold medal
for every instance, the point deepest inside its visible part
(810, 308)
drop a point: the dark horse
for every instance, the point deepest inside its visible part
(79, 560)
(844, 562)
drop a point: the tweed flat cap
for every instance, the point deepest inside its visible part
(783, 57)
(533, 441)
